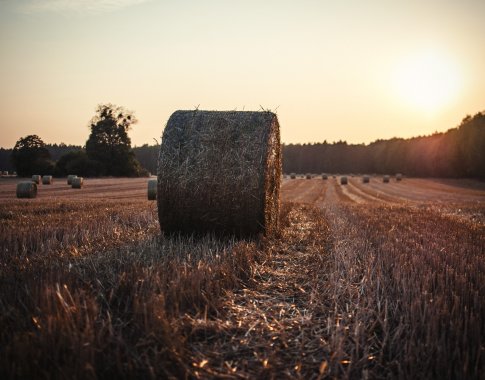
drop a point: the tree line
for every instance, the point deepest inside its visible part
(459, 152)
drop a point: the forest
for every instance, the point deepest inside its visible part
(457, 153)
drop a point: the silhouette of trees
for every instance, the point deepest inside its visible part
(30, 156)
(459, 152)
(109, 144)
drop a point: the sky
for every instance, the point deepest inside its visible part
(348, 70)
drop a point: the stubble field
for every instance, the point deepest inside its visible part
(363, 281)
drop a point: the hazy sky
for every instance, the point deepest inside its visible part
(350, 69)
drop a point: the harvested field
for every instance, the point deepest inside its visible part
(363, 281)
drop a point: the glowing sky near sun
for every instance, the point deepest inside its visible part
(352, 70)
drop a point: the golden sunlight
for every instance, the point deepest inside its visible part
(428, 81)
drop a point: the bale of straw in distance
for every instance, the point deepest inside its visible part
(36, 179)
(26, 189)
(77, 182)
(47, 180)
(70, 177)
(308, 176)
(343, 180)
(220, 172)
(152, 189)
(324, 176)
(398, 177)
(385, 179)
(366, 179)
(293, 175)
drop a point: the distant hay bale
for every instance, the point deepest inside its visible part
(26, 189)
(36, 179)
(152, 189)
(5, 172)
(398, 177)
(292, 175)
(308, 176)
(70, 177)
(324, 176)
(366, 179)
(47, 180)
(343, 180)
(385, 179)
(77, 182)
(220, 172)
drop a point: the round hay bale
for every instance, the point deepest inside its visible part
(366, 179)
(398, 177)
(36, 179)
(152, 189)
(293, 175)
(77, 182)
(47, 180)
(343, 180)
(26, 189)
(308, 176)
(220, 172)
(70, 177)
(385, 179)
(324, 176)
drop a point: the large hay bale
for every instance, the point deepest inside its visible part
(77, 182)
(343, 180)
(324, 176)
(70, 177)
(220, 172)
(293, 175)
(152, 189)
(385, 179)
(36, 179)
(26, 189)
(366, 179)
(398, 177)
(47, 180)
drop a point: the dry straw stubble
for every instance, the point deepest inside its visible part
(219, 171)
(27, 189)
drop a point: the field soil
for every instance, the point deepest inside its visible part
(377, 280)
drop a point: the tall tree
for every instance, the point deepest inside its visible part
(109, 144)
(30, 156)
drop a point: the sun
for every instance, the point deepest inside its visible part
(428, 81)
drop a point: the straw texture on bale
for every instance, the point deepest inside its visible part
(292, 175)
(26, 189)
(366, 179)
(77, 182)
(324, 176)
(36, 179)
(220, 172)
(152, 189)
(70, 177)
(385, 179)
(398, 177)
(47, 180)
(343, 180)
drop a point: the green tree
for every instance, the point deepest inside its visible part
(109, 144)
(30, 156)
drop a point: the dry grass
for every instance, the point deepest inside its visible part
(340, 292)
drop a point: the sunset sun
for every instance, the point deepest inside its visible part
(428, 81)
